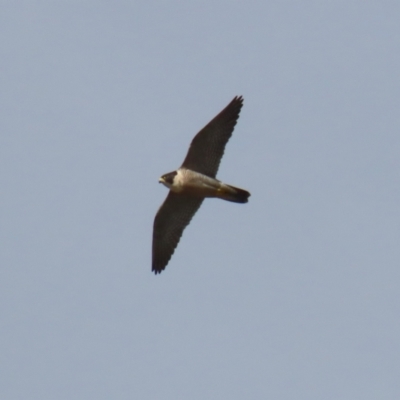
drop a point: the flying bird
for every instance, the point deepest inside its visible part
(193, 182)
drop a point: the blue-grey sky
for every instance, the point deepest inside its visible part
(295, 295)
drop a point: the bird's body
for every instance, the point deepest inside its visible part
(193, 182)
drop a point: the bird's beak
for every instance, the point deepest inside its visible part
(161, 180)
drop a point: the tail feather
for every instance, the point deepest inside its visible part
(232, 193)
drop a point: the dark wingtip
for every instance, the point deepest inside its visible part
(238, 99)
(157, 269)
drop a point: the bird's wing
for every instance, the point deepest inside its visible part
(207, 147)
(171, 219)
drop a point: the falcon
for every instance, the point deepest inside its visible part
(195, 180)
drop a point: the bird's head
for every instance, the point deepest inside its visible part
(168, 179)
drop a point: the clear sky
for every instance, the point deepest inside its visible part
(295, 295)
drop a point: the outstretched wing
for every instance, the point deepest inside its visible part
(207, 147)
(171, 219)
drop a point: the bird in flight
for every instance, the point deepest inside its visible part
(193, 182)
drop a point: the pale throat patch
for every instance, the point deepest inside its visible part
(177, 184)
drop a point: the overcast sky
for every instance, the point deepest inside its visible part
(295, 295)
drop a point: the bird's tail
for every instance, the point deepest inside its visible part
(232, 193)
